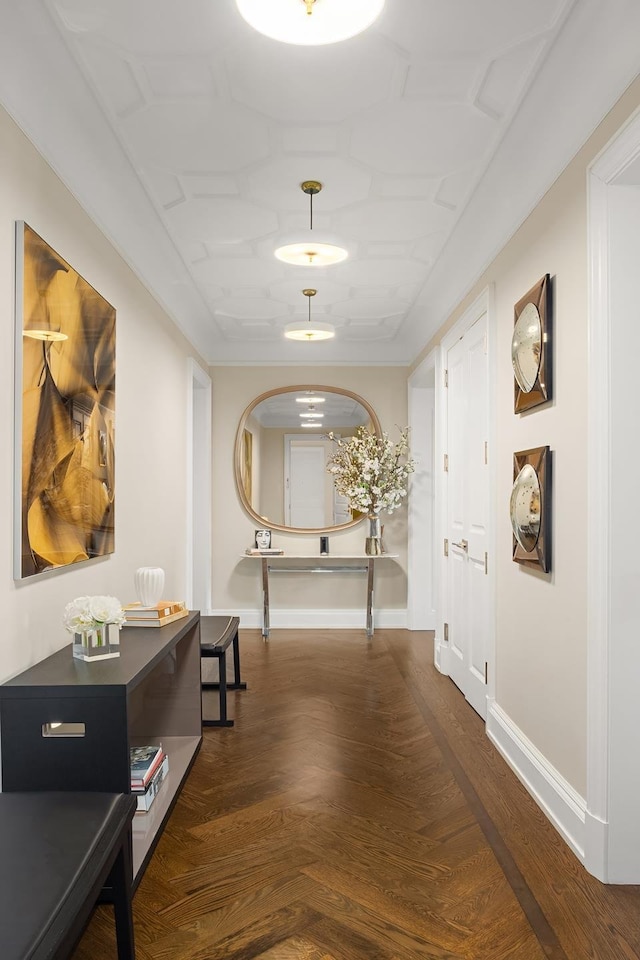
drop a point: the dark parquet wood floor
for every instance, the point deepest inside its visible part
(357, 810)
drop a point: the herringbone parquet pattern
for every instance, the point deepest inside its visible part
(357, 810)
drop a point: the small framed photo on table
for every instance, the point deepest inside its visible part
(263, 539)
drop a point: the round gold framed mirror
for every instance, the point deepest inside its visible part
(280, 456)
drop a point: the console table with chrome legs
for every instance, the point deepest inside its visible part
(325, 564)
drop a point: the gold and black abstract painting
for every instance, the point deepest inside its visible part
(65, 412)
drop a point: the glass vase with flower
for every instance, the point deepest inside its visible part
(95, 623)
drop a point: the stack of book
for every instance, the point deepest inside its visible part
(166, 611)
(149, 766)
(264, 552)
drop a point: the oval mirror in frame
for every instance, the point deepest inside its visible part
(280, 465)
(525, 508)
(526, 348)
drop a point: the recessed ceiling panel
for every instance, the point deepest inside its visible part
(453, 190)
(406, 187)
(422, 137)
(171, 77)
(436, 79)
(463, 26)
(371, 308)
(240, 271)
(400, 220)
(361, 273)
(310, 140)
(247, 308)
(320, 84)
(506, 77)
(113, 75)
(196, 136)
(154, 26)
(210, 186)
(221, 220)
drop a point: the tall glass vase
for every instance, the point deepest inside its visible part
(373, 541)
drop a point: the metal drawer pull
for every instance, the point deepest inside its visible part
(63, 729)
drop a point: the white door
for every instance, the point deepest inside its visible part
(306, 485)
(467, 492)
(341, 510)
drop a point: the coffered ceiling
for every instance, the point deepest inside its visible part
(186, 136)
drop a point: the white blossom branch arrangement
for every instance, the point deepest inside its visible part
(371, 471)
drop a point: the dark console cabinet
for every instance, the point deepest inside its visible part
(68, 725)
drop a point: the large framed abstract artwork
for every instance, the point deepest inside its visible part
(65, 412)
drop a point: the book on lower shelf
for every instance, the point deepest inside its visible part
(164, 608)
(144, 798)
(144, 762)
(267, 552)
(134, 621)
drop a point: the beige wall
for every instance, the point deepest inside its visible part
(236, 585)
(541, 620)
(151, 392)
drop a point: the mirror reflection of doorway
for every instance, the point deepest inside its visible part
(309, 492)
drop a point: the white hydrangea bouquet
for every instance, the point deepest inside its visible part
(371, 471)
(90, 620)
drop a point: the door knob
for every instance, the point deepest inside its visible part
(463, 545)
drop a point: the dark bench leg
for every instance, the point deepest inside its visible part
(120, 882)
(222, 686)
(237, 683)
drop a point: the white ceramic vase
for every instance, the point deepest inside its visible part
(149, 582)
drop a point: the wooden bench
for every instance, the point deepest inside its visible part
(217, 634)
(57, 851)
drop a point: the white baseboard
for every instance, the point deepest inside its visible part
(322, 619)
(564, 807)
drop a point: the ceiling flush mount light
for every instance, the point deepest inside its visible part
(312, 251)
(310, 22)
(306, 330)
(310, 399)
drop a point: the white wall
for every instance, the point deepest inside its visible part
(541, 630)
(151, 396)
(236, 582)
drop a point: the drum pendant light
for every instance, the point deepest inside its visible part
(310, 22)
(311, 251)
(308, 330)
